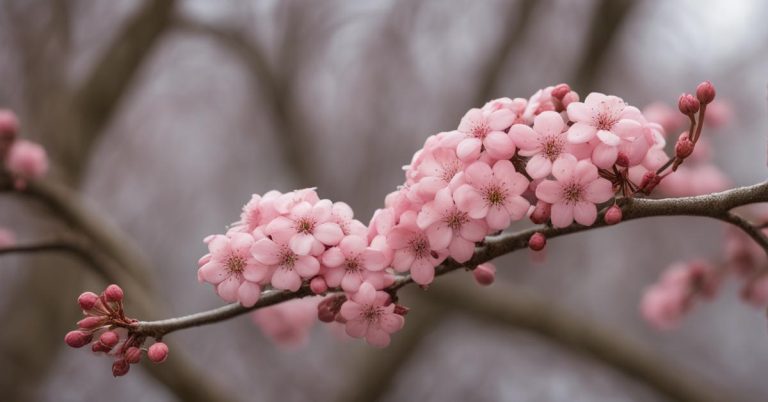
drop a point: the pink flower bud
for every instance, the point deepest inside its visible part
(98, 347)
(158, 352)
(27, 160)
(569, 98)
(537, 241)
(687, 104)
(401, 310)
(87, 300)
(328, 308)
(120, 368)
(133, 355)
(109, 338)
(113, 293)
(622, 160)
(318, 285)
(90, 322)
(77, 339)
(485, 274)
(560, 91)
(684, 146)
(541, 213)
(613, 215)
(9, 125)
(649, 182)
(705, 92)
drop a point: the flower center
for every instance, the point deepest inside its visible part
(480, 130)
(287, 258)
(455, 219)
(235, 264)
(352, 264)
(553, 146)
(450, 169)
(605, 118)
(495, 195)
(572, 192)
(419, 247)
(372, 313)
(305, 225)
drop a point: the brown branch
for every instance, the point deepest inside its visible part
(525, 310)
(716, 206)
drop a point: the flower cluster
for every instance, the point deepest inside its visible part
(106, 328)
(23, 160)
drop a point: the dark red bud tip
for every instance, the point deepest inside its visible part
(77, 339)
(158, 352)
(113, 293)
(705, 92)
(133, 355)
(120, 368)
(560, 91)
(541, 213)
(683, 147)
(318, 285)
(613, 215)
(537, 241)
(109, 338)
(87, 300)
(688, 105)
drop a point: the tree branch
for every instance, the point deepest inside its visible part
(716, 206)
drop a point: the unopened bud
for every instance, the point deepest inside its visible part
(87, 300)
(649, 182)
(687, 104)
(318, 285)
(328, 308)
(77, 339)
(158, 352)
(613, 215)
(120, 368)
(113, 293)
(705, 92)
(90, 322)
(109, 338)
(569, 98)
(484, 274)
(537, 241)
(401, 310)
(541, 213)
(560, 91)
(97, 347)
(133, 355)
(683, 147)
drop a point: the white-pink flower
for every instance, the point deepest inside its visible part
(544, 143)
(232, 270)
(493, 194)
(447, 227)
(485, 131)
(351, 262)
(287, 267)
(435, 172)
(606, 117)
(574, 195)
(412, 250)
(308, 228)
(370, 314)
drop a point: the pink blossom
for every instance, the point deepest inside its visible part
(449, 228)
(370, 314)
(232, 269)
(351, 262)
(412, 250)
(27, 160)
(435, 172)
(288, 324)
(664, 306)
(544, 143)
(485, 130)
(257, 212)
(493, 194)
(288, 268)
(606, 117)
(574, 195)
(308, 227)
(342, 215)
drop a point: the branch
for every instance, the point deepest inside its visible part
(716, 206)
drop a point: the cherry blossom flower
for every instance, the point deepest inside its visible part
(232, 269)
(412, 250)
(493, 194)
(370, 314)
(257, 212)
(574, 195)
(287, 267)
(484, 130)
(606, 117)
(288, 324)
(308, 227)
(351, 262)
(544, 143)
(435, 171)
(449, 228)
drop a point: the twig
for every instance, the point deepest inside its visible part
(716, 206)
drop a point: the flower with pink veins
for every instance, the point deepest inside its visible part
(308, 227)
(574, 195)
(412, 250)
(606, 116)
(231, 268)
(435, 172)
(351, 262)
(544, 143)
(448, 227)
(485, 131)
(288, 268)
(371, 315)
(493, 194)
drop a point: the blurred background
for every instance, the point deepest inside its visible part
(167, 115)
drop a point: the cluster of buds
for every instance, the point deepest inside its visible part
(689, 106)
(23, 160)
(107, 329)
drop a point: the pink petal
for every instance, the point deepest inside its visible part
(248, 293)
(351, 281)
(281, 229)
(549, 191)
(329, 233)
(628, 129)
(579, 112)
(498, 218)
(351, 310)
(598, 191)
(366, 294)
(501, 119)
(562, 215)
(604, 156)
(473, 230)
(374, 260)
(377, 337)
(428, 215)
(469, 149)
(461, 250)
(504, 169)
(403, 260)
(422, 271)
(357, 328)
(353, 245)
(524, 137)
(266, 252)
(499, 145)
(241, 243)
(255, 273)
(469, 200)
(608, 138)
(213, 272)
(548, 123)
(472, 117)
(585, 213)
(286, 279)
(538, 167)
(391, 322)
(564, 167)
(580, 133)
(333, 257)
(399, 237)
(517, 207)
(301, 243)
(479, 174)
(227, 289)
(306, 266)
(586, 172)
(439, 236)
